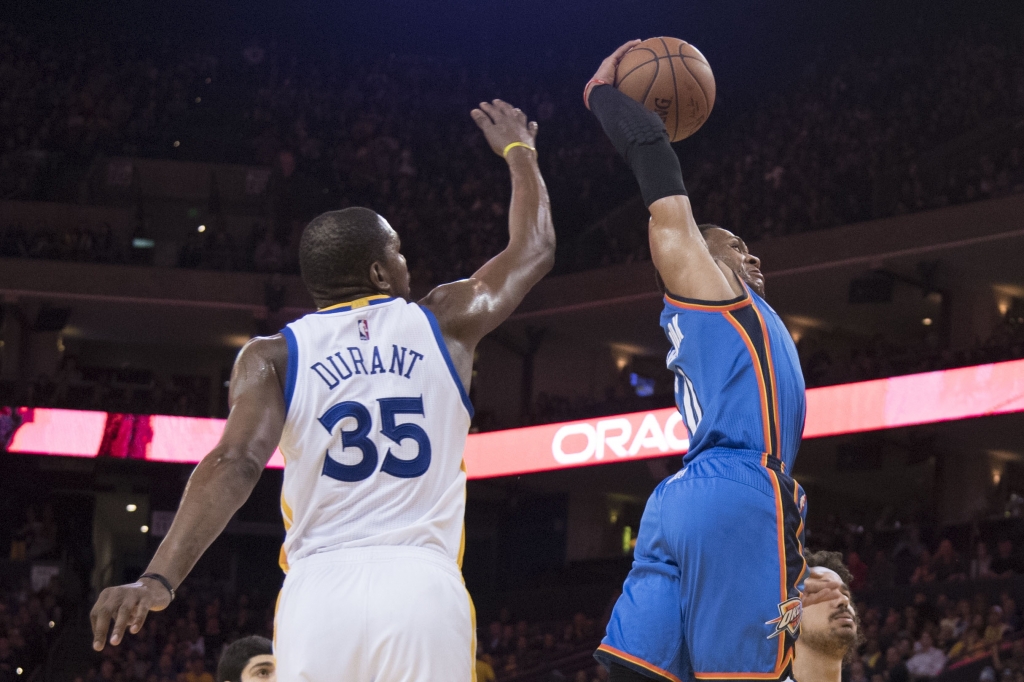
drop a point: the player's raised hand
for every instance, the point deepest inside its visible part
(821, 585)
(606, 72)
(504, 126)
(127, 606)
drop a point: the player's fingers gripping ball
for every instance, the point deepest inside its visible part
(671, 78)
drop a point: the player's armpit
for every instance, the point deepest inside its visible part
(681, 255)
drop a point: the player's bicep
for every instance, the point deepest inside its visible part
(681, 255)
(257, 414)
(471, 308)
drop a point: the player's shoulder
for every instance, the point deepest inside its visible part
(445, 295)
(264, 350)
(452, 304)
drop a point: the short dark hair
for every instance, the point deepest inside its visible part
(338, 248)
(704, 227)
(832, 561)
(238, 654)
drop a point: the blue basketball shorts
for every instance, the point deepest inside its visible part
(714, 592)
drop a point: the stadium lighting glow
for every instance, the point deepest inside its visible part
(130, 508)
(927, 321)
(928, 398)
(201, 228)
(144, 529)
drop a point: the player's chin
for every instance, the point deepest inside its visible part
(757, 284)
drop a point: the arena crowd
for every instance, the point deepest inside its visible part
(831, 148)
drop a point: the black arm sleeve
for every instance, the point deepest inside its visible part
(640, 137)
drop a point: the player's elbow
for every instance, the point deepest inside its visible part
(240, 466)
(546, 254)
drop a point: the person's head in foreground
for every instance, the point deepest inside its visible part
(250, 659)
(351, 252)
(830, 630)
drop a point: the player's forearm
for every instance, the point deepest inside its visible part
(640, 138)
(531, 231)
(218, 487)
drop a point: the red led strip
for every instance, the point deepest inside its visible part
(946, 395)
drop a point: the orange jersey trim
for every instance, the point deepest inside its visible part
(762, 389)
(711, 306)
(771, 377)
(799, 530)
(622, 655)
(776, 674)
(780, 526)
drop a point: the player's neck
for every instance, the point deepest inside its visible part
(811, 665)
(346, 295)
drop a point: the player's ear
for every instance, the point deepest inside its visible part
(379, 278)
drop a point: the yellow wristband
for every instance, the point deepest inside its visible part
(512, 145)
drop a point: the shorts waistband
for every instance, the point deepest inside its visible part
(378, 553)
(735, 455)
(741, 469)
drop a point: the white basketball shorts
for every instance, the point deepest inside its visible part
(375, 614)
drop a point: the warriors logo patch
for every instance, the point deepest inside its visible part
(789, 618)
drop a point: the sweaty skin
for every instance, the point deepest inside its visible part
(466, 311)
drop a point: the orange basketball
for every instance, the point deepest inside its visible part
(671, 78)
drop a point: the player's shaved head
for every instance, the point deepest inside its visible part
(338, 248)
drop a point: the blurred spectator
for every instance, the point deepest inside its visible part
(981, 563)
(1006, 561)
(995, 628)
(928, 660)
(947, 564)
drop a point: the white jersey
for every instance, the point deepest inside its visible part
(376, 425)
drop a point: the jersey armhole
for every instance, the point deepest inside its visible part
(293, 368)
(436, 328)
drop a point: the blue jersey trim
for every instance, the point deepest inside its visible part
(293, 367)
(436, 328)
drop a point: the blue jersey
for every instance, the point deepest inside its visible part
(714, 592)
(738, 382)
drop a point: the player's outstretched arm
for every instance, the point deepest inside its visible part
(220, 484)
(469, 309)
(677, 248)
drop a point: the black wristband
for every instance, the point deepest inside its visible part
(160, 579)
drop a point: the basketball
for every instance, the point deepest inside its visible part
(671, 78)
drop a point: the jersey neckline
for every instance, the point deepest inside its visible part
(376, 299)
